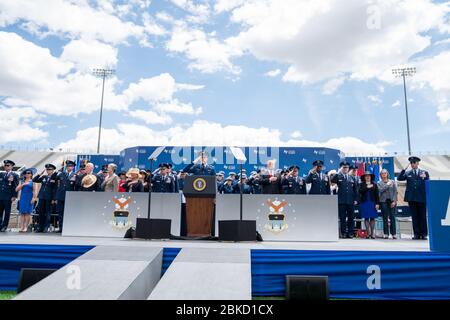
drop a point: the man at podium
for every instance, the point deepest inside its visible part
(200, 166)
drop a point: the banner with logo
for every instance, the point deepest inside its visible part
(438, 204)
(111, 214)
(284, 217)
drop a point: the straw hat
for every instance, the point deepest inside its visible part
(88, 180)
(131, 171)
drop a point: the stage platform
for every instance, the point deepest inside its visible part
(356, 268)
(342, 244)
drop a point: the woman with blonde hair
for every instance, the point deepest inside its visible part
(133, 183)
(111, 181)
(388, 202)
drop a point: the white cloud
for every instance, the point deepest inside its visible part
(32, 77)
(273, 73)
(227, 5)
(397, 103)
(176, 106)
(69, 18)
(349, 145)
(322, 39)
(444, 41)
(207, 53)
(332, 85)
(19, 125)
(200, 13)
(296, 134)
(89, 54)
(199, 133)
(151, 117)
(375, 99)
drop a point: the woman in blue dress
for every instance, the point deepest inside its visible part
(369, 202)
(27, 199)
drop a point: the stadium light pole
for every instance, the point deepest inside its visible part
(405, 72)
(102, 73)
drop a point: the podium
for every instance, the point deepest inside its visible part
(200, 193)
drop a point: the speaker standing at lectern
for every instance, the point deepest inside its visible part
(200, 166)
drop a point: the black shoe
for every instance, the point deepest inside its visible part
(424, 238)
(416, 238)
(3, 229)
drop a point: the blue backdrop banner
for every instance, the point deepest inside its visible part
(356, 274)
(14, 257)
(352, 274)
(438, 205)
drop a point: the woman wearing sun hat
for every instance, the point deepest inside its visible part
(133, 183)
(369, 202)
(27, 198)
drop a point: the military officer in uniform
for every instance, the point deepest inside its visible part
(220, 180)
(173, 175)
(65, 182)
(8, 183)
(200, 166)
(347, 199)
(228, 187)
(181, 179)
(162, 181)
(415, 196)
(354, 173)
(319, 181)
(46, 196)
(292, 183)
(255, 182)
(246, 189)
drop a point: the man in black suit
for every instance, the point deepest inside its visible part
(415, 195)
(270, 179)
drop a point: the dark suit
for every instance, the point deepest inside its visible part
(319, 183)
(268, 187)
(347, 195)
(65, 182)
(95, 187)
(7, 192)
(255, 183)
(415, 195)
(47, 193)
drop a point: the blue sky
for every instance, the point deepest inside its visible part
(214, 72)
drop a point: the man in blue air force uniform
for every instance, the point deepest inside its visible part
(415, 195)
(318, 180)
(65, 182)
(46, 195)
(200, 166)
(347, 199)
(163, 181)
(8, 183)
(293, 183)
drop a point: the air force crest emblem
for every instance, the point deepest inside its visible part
(276, 218)
(121, 215)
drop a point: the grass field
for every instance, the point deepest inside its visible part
(6, 295)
